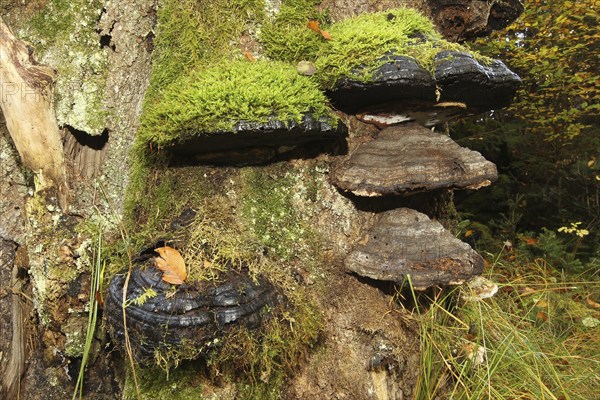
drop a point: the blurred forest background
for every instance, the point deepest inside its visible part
(537, 225)
(546, 145)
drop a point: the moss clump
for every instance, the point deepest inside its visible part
(191, 34)
(217, 97)
(357, 44)
(271, 204)
(266, 358)
(287, 37)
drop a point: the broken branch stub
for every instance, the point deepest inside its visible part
(404, 242)
(26, 101)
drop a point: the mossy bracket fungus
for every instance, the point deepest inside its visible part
(404, 242)
(456, 77)
(172, 323)
(236, 105)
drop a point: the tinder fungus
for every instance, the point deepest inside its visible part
(166, 322)
(455, 77)
(403, 243)
(482, 85)
(259, 141)
(408, 159)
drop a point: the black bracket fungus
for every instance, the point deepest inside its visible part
(457, 77)
(165, 322)
(249, 143)
(398, 78)
(481, 86)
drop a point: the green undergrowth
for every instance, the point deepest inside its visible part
(537, 337)
(217, 97)
(357, 44)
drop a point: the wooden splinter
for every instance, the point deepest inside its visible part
(26, 101)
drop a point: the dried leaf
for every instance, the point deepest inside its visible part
(542, 316)
(172, 265)
(325, 34)
(541, 304)
(592, 303)
(249, 56)
(99, 298)
(313, 25)
(529, 240)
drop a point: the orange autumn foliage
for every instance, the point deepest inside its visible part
(172, 265)
(313, 25)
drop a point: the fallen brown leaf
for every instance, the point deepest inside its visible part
(541, 316)
(325, 34)
(249, 56)
(592, 303)
(172, 265)
(313, 25)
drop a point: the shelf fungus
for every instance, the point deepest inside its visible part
(409, 159)
(258, 142)
(166, 322)
(404, 242)
(457, 85)
(481, 85)
(238, 113)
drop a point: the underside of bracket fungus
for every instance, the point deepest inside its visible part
(235, 106)
(167, 323)
(410, 159)
(457, 78)
(404, 242)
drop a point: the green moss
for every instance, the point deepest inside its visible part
(64, 36)
(271, 208)
(217, 97)
(357, 44)
(191, 34)
(179, 384)
(287, 38)
(266, 358)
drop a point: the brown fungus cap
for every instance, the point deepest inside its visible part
(404, 242)
(408, 159)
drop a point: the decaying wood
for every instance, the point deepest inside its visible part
(460, 20)
(13, 366)
(26, 100)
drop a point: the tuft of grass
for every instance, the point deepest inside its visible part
(97, 274)
(536, 345)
